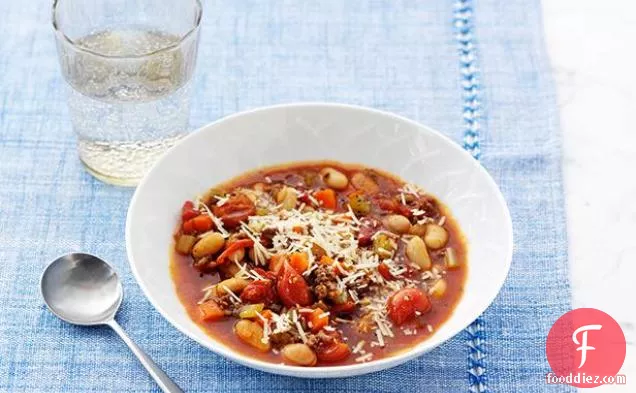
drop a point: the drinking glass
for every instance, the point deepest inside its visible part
(128, 65)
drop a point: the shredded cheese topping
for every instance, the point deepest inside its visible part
(305, 230)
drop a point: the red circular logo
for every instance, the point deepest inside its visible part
(585, 347)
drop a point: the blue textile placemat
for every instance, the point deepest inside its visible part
(476, 70)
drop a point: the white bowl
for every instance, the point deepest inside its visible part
(316, 131)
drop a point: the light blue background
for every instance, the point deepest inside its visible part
(400, 56)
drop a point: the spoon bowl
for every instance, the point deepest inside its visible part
(81, 289)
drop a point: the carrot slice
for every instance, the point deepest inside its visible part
(210, 311)
(318, 320)
(327, 198)
(299, 261)
(267, 314)
(202, 223)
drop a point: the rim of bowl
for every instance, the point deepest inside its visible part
(327, 371)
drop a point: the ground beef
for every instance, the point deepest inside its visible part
(324, 282)
(322, 339)
(279, 340)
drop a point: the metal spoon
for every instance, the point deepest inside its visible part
(84, 290)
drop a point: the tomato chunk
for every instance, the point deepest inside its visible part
(395, 207)
(236, 210)
(265, 273)
(344, 308)
(334, 352)
(403, 304)
(259, 291)
(384, 271)
(188, 212)
(292, 287)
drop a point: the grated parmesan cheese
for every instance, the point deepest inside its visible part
(235, 299)
(364, 358)
(378, 334)
(358, 347)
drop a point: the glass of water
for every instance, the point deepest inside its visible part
(128, 65)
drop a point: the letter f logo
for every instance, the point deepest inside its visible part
(583, 344)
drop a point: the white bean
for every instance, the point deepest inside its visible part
(417, 253)
(397, 223)
(363, 182)
(208, 245)
(334, 178)
(299, 354)
(234, 284)
(435, 237)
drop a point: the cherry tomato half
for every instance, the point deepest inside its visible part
(403, 304)
(259, 291)
(333, 352)
(292, 287)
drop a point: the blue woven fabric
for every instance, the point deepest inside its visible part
(475, 70)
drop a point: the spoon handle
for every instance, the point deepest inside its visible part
(162, 379)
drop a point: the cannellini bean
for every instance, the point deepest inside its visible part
(363, 182)
(417, 253)
(208, 245)
(450, 259)
(397, 223)
(251, 333)
(288, 197)
(435, 237)
(251, 255)
(234, 284)
(299, 354)
(259, 187)
(334, 178)
(418, 230)
(438, 289)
